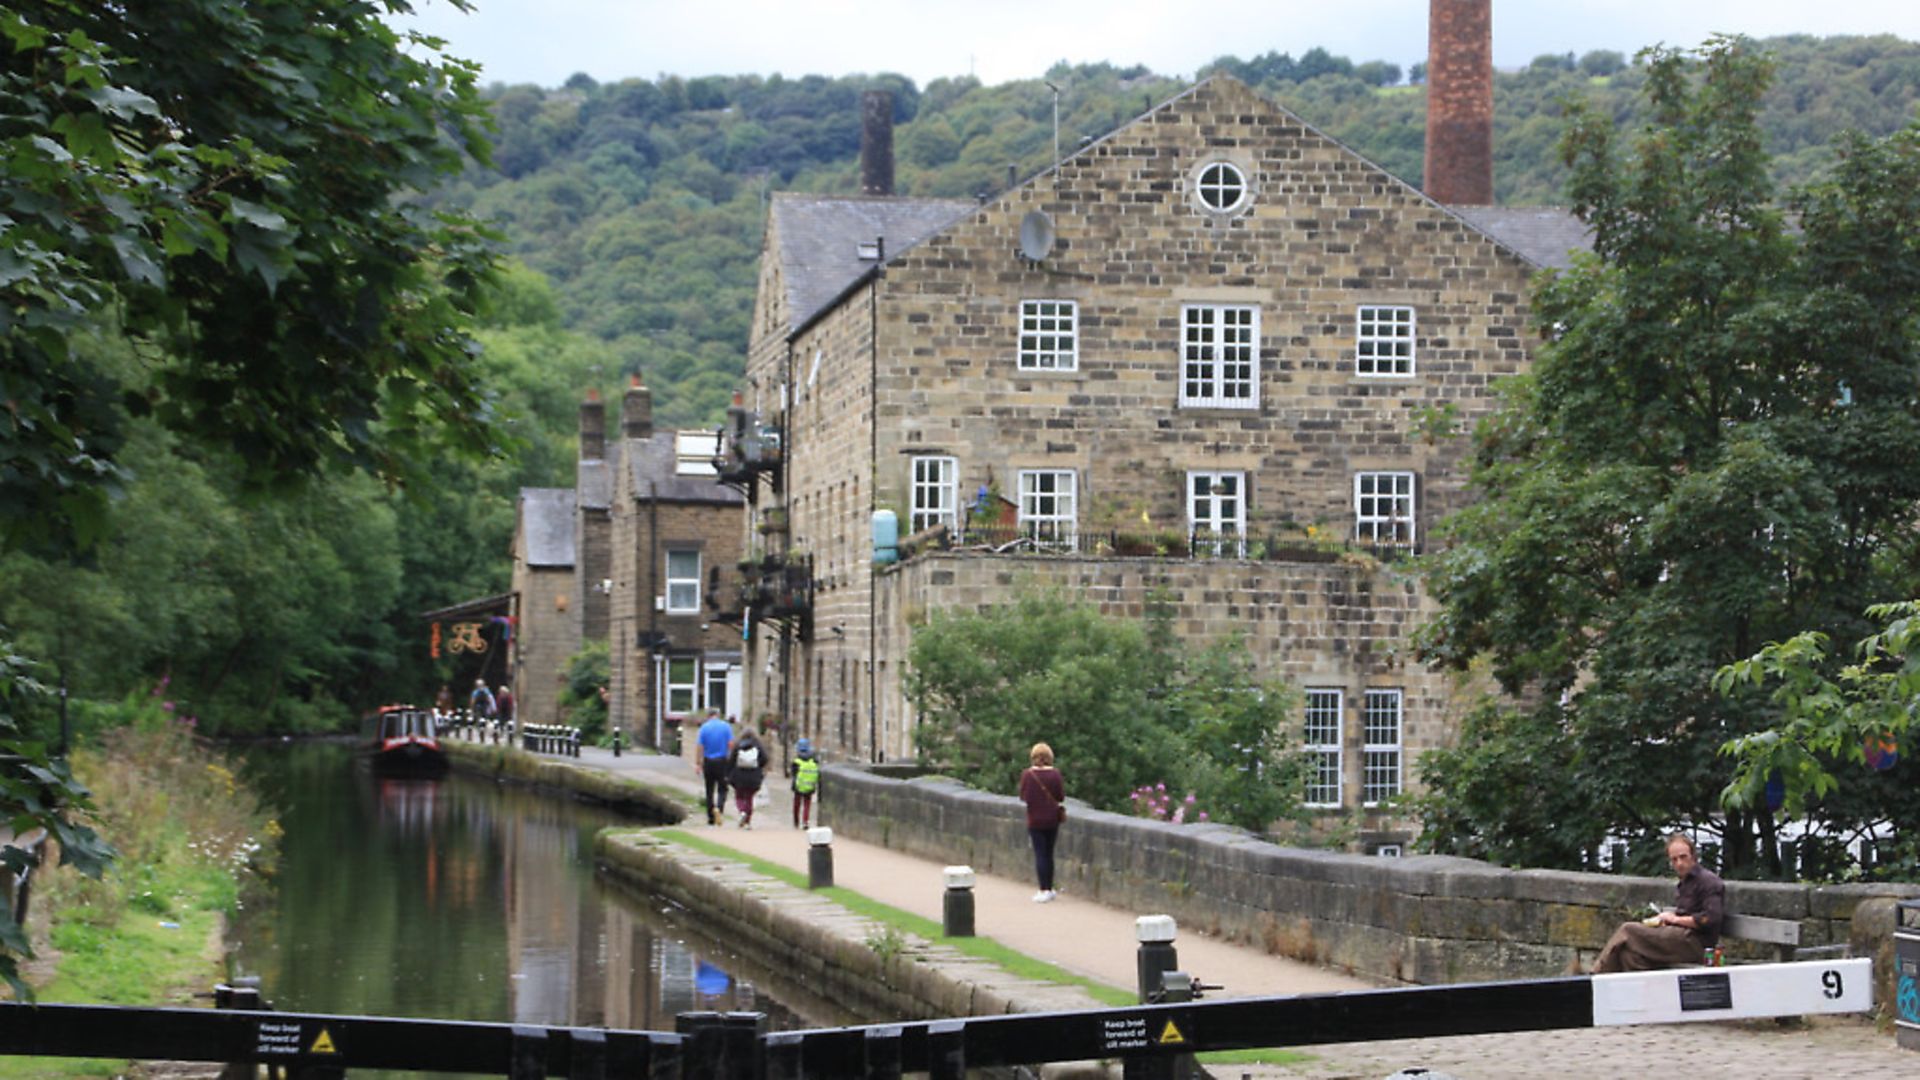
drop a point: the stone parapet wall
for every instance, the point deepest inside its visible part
(1421, 920)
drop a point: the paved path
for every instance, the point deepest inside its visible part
(1098, 942)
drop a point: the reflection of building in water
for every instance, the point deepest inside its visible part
(548, 921)
(627, 972)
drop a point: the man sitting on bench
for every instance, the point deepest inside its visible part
(1672, 938)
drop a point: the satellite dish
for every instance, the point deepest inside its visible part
(1036, 235)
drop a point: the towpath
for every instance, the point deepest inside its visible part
(1097, 941)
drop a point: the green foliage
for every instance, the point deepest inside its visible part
(219, 180)
(1119, 703)
(989, 685)
(1832, 715)
(1712, 451)
(1509, 775)
(582, 700)
(1234, 736)
(188, 836)
(37, 791)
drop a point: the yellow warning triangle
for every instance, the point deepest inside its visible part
(1171, 1035)
(324, 1044)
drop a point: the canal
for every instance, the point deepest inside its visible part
(465, 899)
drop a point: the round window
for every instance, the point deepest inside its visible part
(1222, 187)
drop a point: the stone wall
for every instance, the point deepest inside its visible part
(1421, 920)
(548, 636)
(639, 560)
(923, 361)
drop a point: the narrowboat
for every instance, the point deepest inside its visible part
(406, 744)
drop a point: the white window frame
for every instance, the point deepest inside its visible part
(1049, 335)
(1384, 511)
(1214, 179)
(712, 675)
(1322, 741)
(1221, 516)
(934, 493)
(1049, 507)
(683, 591)
(1383, 722)
(694, 451)
(1220, 356)
(1383, 337)
(680, 699)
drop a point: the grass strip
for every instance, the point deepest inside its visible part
(981, 948)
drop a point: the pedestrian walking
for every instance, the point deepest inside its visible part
(749, 765)
(503, 703)
(805, 773)
(716, 744)
(1044, 791)
(480, 703)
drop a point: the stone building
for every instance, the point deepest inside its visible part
(1214, 353)
(547, 590)
(625, 557)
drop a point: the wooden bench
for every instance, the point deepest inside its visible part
(1782, 934)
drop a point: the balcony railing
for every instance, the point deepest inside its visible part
(1193, 545)
(767, 587)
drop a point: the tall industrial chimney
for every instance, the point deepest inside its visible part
(1460, 102)
(876, 142)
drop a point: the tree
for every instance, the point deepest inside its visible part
(1602, 62)
(1123, 705)
(218, 185)
(1834, 714)
(989, 685)
(217, 182)
(1713, 451)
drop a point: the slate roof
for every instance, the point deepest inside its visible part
(819, 235)
(819, 238)
(546, 519)
(1545, 236)
(652, 461)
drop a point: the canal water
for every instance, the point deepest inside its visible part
(465, 899)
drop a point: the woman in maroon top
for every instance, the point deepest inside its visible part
(1045, 794)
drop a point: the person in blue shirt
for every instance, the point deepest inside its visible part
(481, 702)
(716, 743)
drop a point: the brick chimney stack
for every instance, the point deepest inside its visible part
(876, 142)
(1460, 102)
(593, 427)
(636, 411)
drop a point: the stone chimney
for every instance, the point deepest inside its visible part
(876, 142)
(593, 427)
(1460, 102)
(636, 411)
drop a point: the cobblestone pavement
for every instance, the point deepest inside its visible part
(1097, 941)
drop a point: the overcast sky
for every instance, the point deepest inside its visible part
(545, 41)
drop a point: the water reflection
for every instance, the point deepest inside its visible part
(463, 899)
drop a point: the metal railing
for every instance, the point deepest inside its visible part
(1198, 544)
(735, 1045)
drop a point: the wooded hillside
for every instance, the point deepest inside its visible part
(643, 200)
